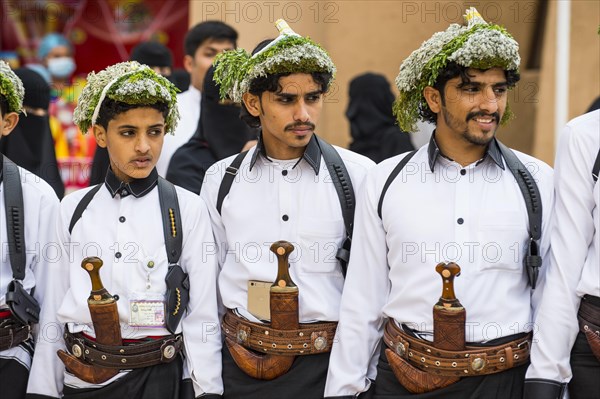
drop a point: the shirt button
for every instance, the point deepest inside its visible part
(124, 193)
(122, 219)
(463, 172)
(118, 255)
(460, 221)
(285, 172)
(285, 218)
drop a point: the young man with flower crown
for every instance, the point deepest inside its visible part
(28, 208)
(456, 199)
(283, 190)
(156, 245)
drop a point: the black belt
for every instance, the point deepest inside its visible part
(12, 333)
(132, 356)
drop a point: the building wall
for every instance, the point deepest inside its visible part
(376, 36)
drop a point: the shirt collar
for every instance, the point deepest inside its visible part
(137, 187)
(312, 153)
(433, 151)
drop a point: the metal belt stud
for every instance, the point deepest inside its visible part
(76, 350)
(320, 343)
(478, 364)
(242, 336)
(400, 349)
(168, 352)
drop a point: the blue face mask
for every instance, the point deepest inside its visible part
(61, 67)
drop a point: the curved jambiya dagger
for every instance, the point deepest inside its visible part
(449, 318)
(105, 318)
(284, 316)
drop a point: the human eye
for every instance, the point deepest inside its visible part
(313, 98)
(500, 90)
(155, 132)
(127, 133)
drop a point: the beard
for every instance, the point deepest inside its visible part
(462, 128)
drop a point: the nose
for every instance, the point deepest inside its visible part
(142, 144)
(489, 101)
(301, 112)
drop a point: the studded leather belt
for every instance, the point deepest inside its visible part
(589, 314)
(131, 356)
(475, 360)
(309, 339)
(12, 332)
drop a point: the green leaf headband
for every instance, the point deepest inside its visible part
(288, 53)
(477, 45)
(127, 82)
(11, 88)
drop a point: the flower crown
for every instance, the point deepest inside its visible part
(11, 88)
(476, 45)
(130, 83)
(288, 53)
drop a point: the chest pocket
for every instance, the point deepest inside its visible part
(502, 236)
(319, 240)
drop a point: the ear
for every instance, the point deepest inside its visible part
(188, 63)
(433, 98)
(252, 103)
(9, 122)
(100, 135)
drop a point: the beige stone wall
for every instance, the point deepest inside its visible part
(376, 36)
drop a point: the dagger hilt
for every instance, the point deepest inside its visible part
(448, 271)
(99, 294)
(283, 282)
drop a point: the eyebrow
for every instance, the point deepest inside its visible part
(136, 127)
(480, 84)
(291, 95)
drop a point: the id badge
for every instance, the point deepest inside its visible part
(147, 310)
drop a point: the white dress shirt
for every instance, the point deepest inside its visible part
(188, 104)
(122, 225)
(40, 209)
(436, 211)
(293, 200)
(575, 267)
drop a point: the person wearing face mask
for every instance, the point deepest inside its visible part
(74, 151)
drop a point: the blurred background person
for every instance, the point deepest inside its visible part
(374, 130)
(74, 151)
(202, 44)
(30, 145)
(220, 133)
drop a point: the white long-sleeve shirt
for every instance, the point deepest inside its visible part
(40, 209)
(292, 200)
(123, 226)
(436, 211)
(188, 104)
(575, 267)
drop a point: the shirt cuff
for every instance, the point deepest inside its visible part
(538, 388)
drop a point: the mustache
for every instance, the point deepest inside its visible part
(472, 115)
(296, 125)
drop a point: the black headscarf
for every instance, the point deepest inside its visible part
(220, 134)
(30, 145)
(373, 127)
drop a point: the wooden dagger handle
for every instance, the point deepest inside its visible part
(99, 294)
(283, 282)
(449, 316)
(284, 293)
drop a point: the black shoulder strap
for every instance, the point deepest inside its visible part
(15, 217)
(529, 189)
(596, 168)
(342, 182)
(171, 216)
(83, 204)
(533, 201)
(391, 178)
(228, 177)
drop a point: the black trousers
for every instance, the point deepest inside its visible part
(157, 382)
(13, 379)
(505, 385)
(305, 380)
(585, 383)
